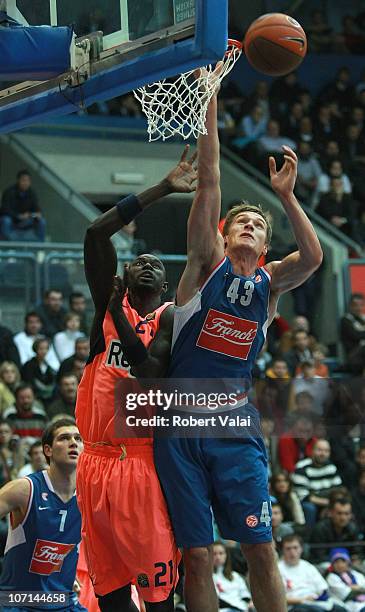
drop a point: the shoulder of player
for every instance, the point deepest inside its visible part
(16, 494)
(167, 318)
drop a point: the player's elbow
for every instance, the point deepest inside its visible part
(317, 258)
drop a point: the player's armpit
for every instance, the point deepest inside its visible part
(289, 273)
(14, 497)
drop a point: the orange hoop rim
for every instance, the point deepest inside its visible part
(232, 46)
(232, 42)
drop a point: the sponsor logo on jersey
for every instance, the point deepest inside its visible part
(48, 557)
(252, 520)
(258, 278)
(115, 357)
(44, 496)
(226, 334)
(143, 581)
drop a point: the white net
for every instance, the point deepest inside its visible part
(179, 106)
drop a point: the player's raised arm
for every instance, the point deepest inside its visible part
(99, 253)
(14, 497)
(204, 243)
(294, 269)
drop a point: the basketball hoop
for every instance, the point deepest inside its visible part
(179, 106)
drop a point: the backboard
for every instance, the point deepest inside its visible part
(138, 42)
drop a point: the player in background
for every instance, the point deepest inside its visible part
(45, 524)
(224, 306)
(126, 529)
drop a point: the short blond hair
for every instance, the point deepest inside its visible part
(247, 207)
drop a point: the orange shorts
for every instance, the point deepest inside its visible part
(125, 524)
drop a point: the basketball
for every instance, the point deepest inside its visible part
(275, 44)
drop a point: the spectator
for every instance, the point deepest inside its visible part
(65, 403)
(300, 351)
(254, 124)
(358, 499)
(319, 32)
(334, 171)
(77, 305)
(296, 443)
(353, 333)
(354, 37)
(291, 123)
(305, 133)
(8, 452)
(20, 211)
(8, 350)
(330, 153)
(337, 527)
(282, 490)
(340, 90)
(283, 93)
(307, 380)
(52, 313)
(226, 125)
(231, 588)
(320, 352)
(9, 379)
(279, 528)
(28, 419)
(309, 172)
(306, 589)
(338, 208)
(252, 127)
(64, 342)
(38, 373)
(353, 147)
(24, 341)
(260, 97)
(273, 141)
(346, 585)
(300, 323)
(325, 128)
(78, 368)
(37, 460)
(313, 479)
(82, 350)
(341, 416)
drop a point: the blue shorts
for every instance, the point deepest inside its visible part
(225, 475)
(75, 607)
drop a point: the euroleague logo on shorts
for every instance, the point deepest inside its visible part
(252, 520)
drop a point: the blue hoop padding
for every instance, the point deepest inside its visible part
(34, 53)
(208, 46)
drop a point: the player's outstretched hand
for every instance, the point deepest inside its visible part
(119, 289)
(182, 179)
(283, 182)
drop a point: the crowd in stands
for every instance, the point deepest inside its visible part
(312, 421)
(327, 133)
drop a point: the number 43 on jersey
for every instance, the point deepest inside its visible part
(233, 293)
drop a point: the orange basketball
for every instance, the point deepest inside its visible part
(275, 44)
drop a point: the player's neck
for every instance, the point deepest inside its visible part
(144, 303)
(243, 264)
(63, 481)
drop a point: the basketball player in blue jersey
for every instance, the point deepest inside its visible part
(41, 551)
(224, 305)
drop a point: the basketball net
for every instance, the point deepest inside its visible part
(179, 106)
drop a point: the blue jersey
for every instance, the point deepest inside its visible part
(219, 333)
(41, 553)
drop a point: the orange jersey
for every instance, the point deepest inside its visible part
(95, 406)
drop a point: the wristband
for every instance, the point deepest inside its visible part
(135, 354)
(128, 209)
